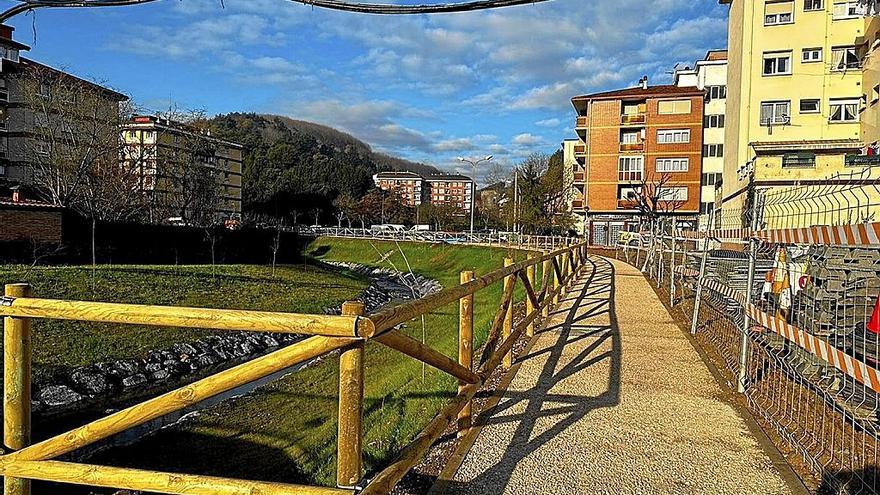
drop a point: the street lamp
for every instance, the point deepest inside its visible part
(474, 164)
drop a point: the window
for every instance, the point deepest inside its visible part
(775, 113)
(672, 164)
(673, 136)
(848, 10)
(777, 63)
(674, 107)
(672, 194)
(44, 91)
(713, 121)
(776, 13)
(710, 179)
(630, 167)
(717, 92)
(707, 208)
(2, 170)
(42, 148)
(798, 160)
(713, 150)
(813, 5)
(810, 106)
(844, 110)
(627, 193)
(4, 95)
(845, 57)
(630, 137)
(811, 55)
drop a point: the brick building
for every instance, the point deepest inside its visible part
(630, 142)
(438, 190)
(408, 185)
(30, 221)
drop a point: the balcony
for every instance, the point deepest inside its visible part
(582, 123)
(577, 205)
(579, 176)
(580, 150)
(640, 146)
(629, 176)
(633, 119)
(627, 204)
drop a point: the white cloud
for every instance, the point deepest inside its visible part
(527, 139)
(549, 123)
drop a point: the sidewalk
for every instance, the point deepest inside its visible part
(612, 398)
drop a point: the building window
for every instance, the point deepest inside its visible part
(630, 137)
(848, 10)
(813, 5)
(707, 208)
(717, 92)
(671, 136)
(777, 63)
(811, 55)
(810, 106)
(672, 194)
(713, 150)
(710, 179)
(4, 95)
(674, 107)
(630, 167)
(713, 121)
(776, 13)
(844, 110)
(799, 160)
(775, 113)
(672, 164)
(845, 58)
(628, 193)
(2, 170)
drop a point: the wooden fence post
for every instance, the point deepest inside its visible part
(349, 443)
(465, 348)
(508, 316)
(17, 386)
(530, 306)
(545, 269)
(556, 281)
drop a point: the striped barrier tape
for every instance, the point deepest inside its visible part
(863, 234)
(819, 347)
(847, 364)
(686, 272)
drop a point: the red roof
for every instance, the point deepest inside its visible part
(640, 92)
(26, 203)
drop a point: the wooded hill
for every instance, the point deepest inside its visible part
(292, 167)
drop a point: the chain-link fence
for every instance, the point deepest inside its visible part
(783, 296)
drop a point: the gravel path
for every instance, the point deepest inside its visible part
(612, 398)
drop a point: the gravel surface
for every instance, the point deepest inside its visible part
(613, 399)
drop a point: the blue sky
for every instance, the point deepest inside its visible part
(428, 88)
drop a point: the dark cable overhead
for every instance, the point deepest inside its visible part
(342, 5)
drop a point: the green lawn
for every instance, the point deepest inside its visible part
(66, 343)
(286, 431)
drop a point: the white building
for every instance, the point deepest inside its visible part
(709, 74)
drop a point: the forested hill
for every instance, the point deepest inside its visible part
(293, 165)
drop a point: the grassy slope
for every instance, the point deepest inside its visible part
(65, 343)
(286, 431)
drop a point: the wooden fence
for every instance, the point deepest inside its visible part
(348, 334)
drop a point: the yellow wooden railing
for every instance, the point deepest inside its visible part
(348, 334)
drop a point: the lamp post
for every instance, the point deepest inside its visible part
(474, 164)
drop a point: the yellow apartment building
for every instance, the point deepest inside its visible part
(795, 97)
(165, 149)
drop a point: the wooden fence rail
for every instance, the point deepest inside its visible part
(347, 334)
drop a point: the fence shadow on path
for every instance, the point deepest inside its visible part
(591, 299)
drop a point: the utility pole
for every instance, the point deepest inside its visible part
(474, 164)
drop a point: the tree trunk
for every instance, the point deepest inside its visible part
(94, 254)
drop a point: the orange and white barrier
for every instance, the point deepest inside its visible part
(842, 235)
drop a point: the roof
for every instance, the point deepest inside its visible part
(450, 177)
(715, 55)
(806, 145)
(398, 174)
(26, 203)
(660, 91)
(109, 92)
(150, 121)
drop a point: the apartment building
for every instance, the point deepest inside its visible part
(408, 185)
(795, 94)
(710, 75)
(451, 190)
(870, 118)
(37, 104)
(636, 146)
(574, 175)
(166, 153)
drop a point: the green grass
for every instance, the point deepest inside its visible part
(286, 431)
(66, 343)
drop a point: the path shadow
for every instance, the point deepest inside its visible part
(593, 297)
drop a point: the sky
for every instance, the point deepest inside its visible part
(426, 88)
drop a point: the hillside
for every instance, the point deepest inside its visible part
(292, 165)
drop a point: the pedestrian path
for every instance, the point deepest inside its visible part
(612, 398)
